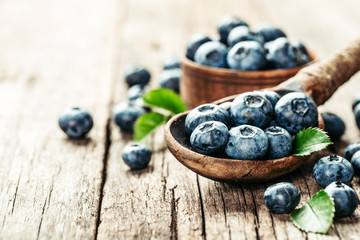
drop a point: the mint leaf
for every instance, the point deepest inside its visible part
(147, 123)
(166, 99)
(316, 215)
(310, 140)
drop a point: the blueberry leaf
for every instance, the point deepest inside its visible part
(310, 140)
(165, 99)
(316, 215)
(146, 124)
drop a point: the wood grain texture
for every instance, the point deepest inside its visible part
(56, 54)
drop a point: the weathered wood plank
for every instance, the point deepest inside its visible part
(55, 54)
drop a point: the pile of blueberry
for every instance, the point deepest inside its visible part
(239, 47)
(261, 125)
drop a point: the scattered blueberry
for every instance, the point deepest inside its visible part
(334, 125)
(251, 108)
(226, 24)
(296, 111)
(137, 155)
(357, 115)
(356, 101)
(280, 144)
(137, 91)
(246, 143)
(212, 54)
(172, 63)
(137, 75)
(281, 197)
(355, 162)
(333, 168)
(125, 115)
(345, 198)
(350, 150)
(75, 122)
(284, 54)
(272, 96)
(268, 32)
(248, 55)
(210, 137)
(242, 33)
(205, 113)
(170, 79)
(194, 43)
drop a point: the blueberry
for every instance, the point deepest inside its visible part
(136, 155)
(281, 197)
(355, 162)
(125, 115)
(212, 54)
(280, 144)
(334, 125)
(226, 106)
(242, 33)
(356, 101)
(345, 198)
(75, 122)
(248, 55)
(204, 113)
(226, 24)
(137, 75)
(172, 63)
(350, 150)
(268, 32)
(296, 111)
(251, 108)
(333, 168)
(210, 137)
(246, 143)
(137, 91)
(285, 54)
(194, 43)
(357, 115)
(272, 96)
(170, 79)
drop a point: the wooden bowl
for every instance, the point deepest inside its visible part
(201, 84)
(224, 168)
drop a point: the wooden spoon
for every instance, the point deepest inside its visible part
(319, 81)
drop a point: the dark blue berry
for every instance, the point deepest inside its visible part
(243, 33)
(226, 106)
(356, 101)
(345, 198)
(251, 108)
(355, 162)
(247, 56)
(280, 144)
(281, 53)
(296, 111)
(268, 32)
(170, 79)
(272, 96)
(334, 125)
(210, 137)
(205, 113)
(350, 150)
(246, 143)
(137, 155)
(226, 24)
(125, 115)
(137, 91)
(281, 197)
(137, 75)
(212, 54)
(172, 63)
(75, 122)
(333, 168)
(194, 43)
(357, 115)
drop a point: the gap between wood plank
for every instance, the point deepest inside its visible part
(202, 208)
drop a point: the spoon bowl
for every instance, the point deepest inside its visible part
(318, 80)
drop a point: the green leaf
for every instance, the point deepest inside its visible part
(316, 215)
(310, 140)
(147, 123)
(166, 99)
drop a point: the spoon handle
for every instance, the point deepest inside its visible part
(321, 79)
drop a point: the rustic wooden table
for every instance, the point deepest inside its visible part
(55, 54)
